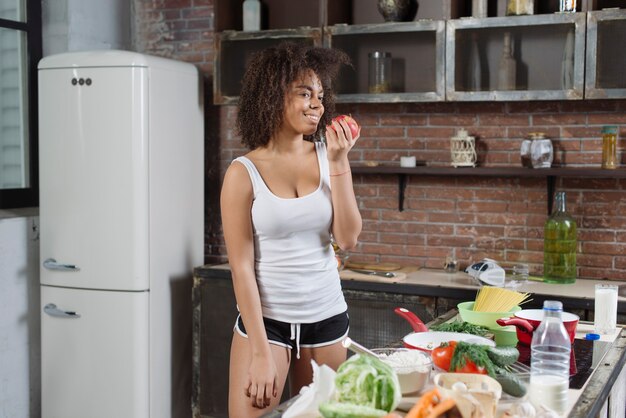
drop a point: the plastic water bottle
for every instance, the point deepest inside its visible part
(550, 360)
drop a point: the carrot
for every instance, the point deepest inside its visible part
(430, 405)
(441, 408)
(424, 405)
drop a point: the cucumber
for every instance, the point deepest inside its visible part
(510, 383)
(503, 356)
(349, 410)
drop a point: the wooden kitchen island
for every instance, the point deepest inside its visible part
(431, 294)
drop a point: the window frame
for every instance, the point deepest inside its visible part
(32, 27)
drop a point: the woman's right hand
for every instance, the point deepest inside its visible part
(260, 386)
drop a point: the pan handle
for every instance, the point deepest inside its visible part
(522, 324)
(416, 323)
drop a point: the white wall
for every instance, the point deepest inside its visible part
(19, 318)
(80, 25)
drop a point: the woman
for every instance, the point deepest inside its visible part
(280, 204)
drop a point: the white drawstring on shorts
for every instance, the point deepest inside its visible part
(295, 335)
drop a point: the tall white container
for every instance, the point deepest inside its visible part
(121, 209)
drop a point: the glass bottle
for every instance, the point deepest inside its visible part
(567, 5)
(609, 147)
(567, 64)
(550, 352)
(559, 244)
(379, 75)
(506, 67)
(479, 8)
(474, 66)
(251, 15)
(520, 7)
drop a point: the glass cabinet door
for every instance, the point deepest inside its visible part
(537, 57)
(606, 60)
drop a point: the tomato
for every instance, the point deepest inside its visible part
(354, 127)
(442, 355)
(470, 367)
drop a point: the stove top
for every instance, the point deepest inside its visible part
(585, 357)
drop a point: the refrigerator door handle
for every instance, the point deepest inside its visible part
(51, 264)
(52, 310)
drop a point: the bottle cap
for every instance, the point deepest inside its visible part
(609, 129)
(592, 337)
(552, 305)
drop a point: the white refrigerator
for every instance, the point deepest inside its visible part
(121, 160)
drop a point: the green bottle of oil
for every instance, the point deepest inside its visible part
(559, 244)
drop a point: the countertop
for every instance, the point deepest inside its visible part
(459, 285)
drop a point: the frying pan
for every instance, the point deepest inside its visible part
(425, 340)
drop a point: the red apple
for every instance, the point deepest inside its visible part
(354, 127)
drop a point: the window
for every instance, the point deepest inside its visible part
(20, 51)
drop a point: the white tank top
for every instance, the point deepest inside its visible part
(295, 266)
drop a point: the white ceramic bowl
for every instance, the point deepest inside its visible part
(413, 367)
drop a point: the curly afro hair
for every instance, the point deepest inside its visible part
(266, 82)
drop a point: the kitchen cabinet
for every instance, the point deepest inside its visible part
(417, 60)
(547, 57)
(444, 54)
(235, 49)
(606, 36)
(372, 323)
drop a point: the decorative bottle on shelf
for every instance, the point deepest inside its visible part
(567, 66)
(559, 244)
(474, 66)
(520, 7)
(479, 8)
(251, 15)
(507, 65)
(550, 352)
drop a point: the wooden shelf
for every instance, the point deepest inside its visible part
(493, 171)
(549, 173)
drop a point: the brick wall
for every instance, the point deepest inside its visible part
(466, 216)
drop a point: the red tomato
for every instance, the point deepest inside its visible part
(443, 354)
(471, 367)
(354, 127)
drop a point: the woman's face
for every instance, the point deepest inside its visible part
(303, 104)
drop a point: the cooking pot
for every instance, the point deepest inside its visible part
(527, 321)
(425, 340)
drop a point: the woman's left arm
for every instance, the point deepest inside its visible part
(347, 221)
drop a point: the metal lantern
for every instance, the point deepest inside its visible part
(463, 149)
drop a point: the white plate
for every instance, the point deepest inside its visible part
(428, 340)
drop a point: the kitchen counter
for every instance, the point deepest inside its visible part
(602, 395)
(371, 302)
(459, 285)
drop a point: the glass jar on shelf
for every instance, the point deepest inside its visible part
(609, 147)
(379, 75)
(520, 7)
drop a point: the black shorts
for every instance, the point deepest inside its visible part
(316, 334)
